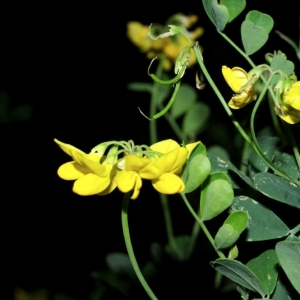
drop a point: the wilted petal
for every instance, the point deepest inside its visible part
(288, 114)
(168, 184)
(90, 184)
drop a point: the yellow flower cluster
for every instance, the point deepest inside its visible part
(170, 46)
(290, 111)
(237, 79)
(96, 174)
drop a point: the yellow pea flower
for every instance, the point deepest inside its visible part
(290, 113)
(90, 175)
(236, 78)
(132, 169)
(171, 46)
(169, 165)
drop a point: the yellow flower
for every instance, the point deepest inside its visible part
(132, 169)
(236, 78)
(292, 96)
(290, 113)
(169, 165)
(171, 46)
(90, 175)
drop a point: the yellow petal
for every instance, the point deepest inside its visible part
(95, 167)
(142, 165)
(292, 96)
(90, 184)
(190, 147)
(137, 188)
(168, 184)
(72, 171)
(288, 114)
(173, 161)
(126, 180)
(236, 77)
(165, 146)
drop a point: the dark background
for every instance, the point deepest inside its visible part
(71, 64)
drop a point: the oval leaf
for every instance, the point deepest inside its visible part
(278, 188)
(196, 118)
(216, 195)
(263, 224)
(226, 237)
(289, 257)
(239, 273)
(238, 220)
(265, 267)
(185, 98)
(198, 170)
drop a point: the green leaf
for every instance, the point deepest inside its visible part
(219, 152)
(195, 119)
(140, 87)
(226, 236)
(253, 37)
(268, 146)
(238, 220)
(239, 273)
(287, 163)
(278, 188)
(217, 13)
(289, 258)
(282, 64)
(235, 7)
(265, 267)
(260, 19)
(120, 264)
(198, 170)
(216, 195)
(280, 292)
(185, 99)
(220, 15)
(263, 224)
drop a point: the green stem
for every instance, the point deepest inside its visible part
(238, 49)
(153, 139)
(205, 230)
(131, 255)
(219, 95)
(193, 238)
(293, 142)
(257, 147)
(174, 125)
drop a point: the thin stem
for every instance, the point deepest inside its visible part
(238, 49)
(293, 142)
(153, 139)
(193, 237)
(205, 230)
(257, 147)
(174, 125)
(131, 255)
(219, 95)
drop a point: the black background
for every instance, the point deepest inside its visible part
(71, 64)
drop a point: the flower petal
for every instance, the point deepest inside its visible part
(236, 77)
(165, 146)
(72, 171)
(168, 183)
(142, 165)
(90, 184)
(173, 161)
(288, 114)
(126, 180)
(190, 147)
